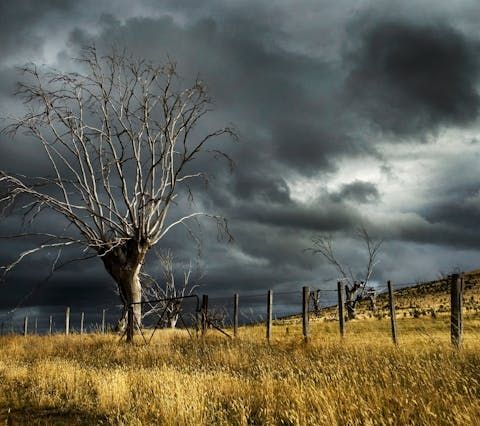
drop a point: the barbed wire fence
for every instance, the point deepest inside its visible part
(282, 313)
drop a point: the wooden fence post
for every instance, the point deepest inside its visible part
(393, 316)
(130, 324)
(50, 326)
(3, 326)
(103, 320)
(269, 314)
(67, 321)
(305, 318)
(35, 329)
(25, 325)
(204, 314)
(456, 305)
(82, 318)
(341, 306)
(235, 314)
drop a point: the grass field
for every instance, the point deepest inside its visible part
(363, 379)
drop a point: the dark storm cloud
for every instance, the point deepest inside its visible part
(303, 84)
(413, 78)
(292, 98)
(20, 22)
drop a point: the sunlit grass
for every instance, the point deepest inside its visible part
(361, 379)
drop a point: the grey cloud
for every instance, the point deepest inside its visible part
(411, 78)
(20, 22)
(358, 191)
(301, 104)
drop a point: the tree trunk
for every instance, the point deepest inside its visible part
(131, 293)
(173, 321)
(351, 313)
(124, 264)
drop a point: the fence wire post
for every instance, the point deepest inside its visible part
(235, 314)
(67, 321)
(130, 323)
(393, 317)
(25, 325)
(103, 321)
(82, 318)
(35, 329)
(341, 306)
(269, 314)
(204, 314)
(305, 318)
(456, 302)
(50, 325)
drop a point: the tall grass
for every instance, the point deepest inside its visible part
(363, 379)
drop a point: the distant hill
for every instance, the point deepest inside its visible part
(428, 298)
(436, 294)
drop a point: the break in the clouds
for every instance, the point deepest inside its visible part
(348, 112)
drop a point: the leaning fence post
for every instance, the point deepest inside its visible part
(130, 323)
(393, 317)
(103, 321)
(204, 314)
(82, 318)
(50, 325)
(269, 314)
(456, 302)
(341, 305)
(25, 325)
(305, 324)
(235, 314)
(67, 321)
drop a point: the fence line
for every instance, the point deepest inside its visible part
(207, 310)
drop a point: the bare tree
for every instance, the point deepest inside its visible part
(356, 286)
(121, 140)
(166, 297)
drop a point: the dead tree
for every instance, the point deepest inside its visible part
(356, 290)
(315, 298)
(165, 297)
(121, 139)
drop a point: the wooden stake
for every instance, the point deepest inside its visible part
(25, 326)
(341, 305)
(130, 324)
(269, 314)
(235, 314)
(204, 314)
(103, 320)
(50, 326)
(67, 321)
(456, 305)
(305, 318)
(35, 329)
(393, 317)
(82, 318)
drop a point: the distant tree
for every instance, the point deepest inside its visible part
(122, 142)
(165, 295)
(356, 285)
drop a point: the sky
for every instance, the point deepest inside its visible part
(349, 113)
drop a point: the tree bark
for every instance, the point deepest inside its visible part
(124, 264)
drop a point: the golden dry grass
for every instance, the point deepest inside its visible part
(363, 379)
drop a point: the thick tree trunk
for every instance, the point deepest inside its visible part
(124, 264)
(130, 291)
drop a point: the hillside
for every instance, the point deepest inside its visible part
(435, 295)
(428, 298)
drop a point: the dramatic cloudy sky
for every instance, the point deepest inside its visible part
(348, 112)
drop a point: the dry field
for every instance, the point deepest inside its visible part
(363, 379)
